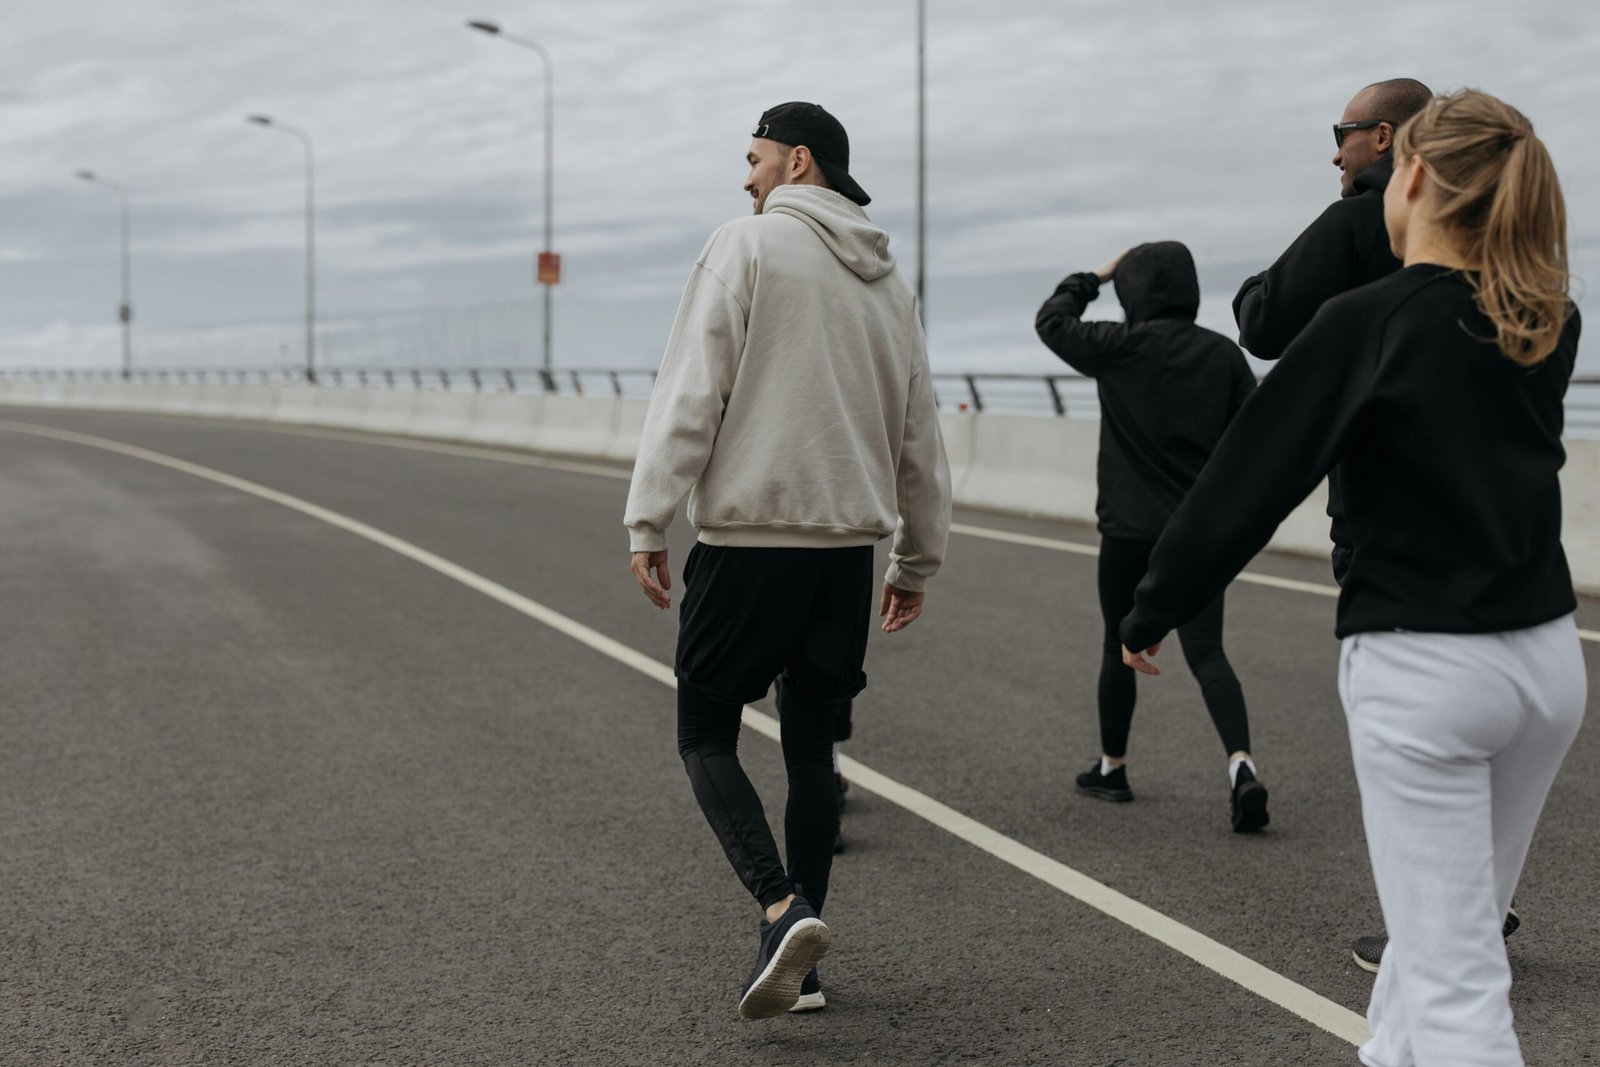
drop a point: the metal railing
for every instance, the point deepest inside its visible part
(1061, 395)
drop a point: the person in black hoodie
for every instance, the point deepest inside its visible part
(1344, 248)
(1440, 390)
(1167, 391)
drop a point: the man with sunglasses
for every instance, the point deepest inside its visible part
(1347, 246)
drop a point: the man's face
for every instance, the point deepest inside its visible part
(769, 168)
(1361, 148)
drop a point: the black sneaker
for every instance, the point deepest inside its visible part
(844, 787)
(838, 841)
(1113, 786)
(811, 998)
(789, 948)
(1368, 951)
(1249, 804)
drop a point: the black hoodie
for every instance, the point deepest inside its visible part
(1168, 387)
(1347, 247)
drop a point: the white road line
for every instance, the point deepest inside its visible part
(1265, 983)
(1093, 550)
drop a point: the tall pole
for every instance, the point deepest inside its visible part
(125, 310)
(311, 235)
(922, 156)
(547, 279)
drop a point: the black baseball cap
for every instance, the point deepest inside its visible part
(798, 123)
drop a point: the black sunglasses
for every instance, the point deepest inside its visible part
(1342, 128)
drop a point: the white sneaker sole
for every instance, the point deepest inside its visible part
(809, 1002)
(778, 987)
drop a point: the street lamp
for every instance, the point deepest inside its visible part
(549, 273)
(922, 150)
(125, 312)
(311, 236)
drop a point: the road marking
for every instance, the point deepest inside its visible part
(1094, 550)
(1215, 956)
(986, 532)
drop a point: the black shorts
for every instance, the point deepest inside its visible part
(749, 615)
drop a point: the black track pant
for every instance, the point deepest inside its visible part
(1122, 565)
(750, 616)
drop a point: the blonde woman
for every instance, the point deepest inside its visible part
(1440, 389)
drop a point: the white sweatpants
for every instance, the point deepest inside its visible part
(1456, 740)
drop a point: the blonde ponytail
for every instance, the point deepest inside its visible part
(1501, 196)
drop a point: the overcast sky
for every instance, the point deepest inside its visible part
(1059, 133)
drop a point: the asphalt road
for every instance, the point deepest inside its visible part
(273, 794)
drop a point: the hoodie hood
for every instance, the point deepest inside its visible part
(1376, 176)
(1158, 281)
(841, 224)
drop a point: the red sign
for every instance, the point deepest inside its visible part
(549, 268)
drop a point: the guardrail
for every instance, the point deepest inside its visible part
(1062, 395)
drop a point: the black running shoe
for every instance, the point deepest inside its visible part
(1368, 952)
(790, 947)
(844, 787)
(838, 841)
(1249, 804)
(1113, 786)
(811, 998)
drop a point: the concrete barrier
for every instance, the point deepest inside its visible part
(1020, 465)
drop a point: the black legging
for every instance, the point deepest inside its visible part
(708, 740)
(1122, 564)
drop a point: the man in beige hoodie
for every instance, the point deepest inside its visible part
(794, 400)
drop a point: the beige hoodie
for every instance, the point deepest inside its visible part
(794, 396)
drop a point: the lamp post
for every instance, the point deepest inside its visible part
(549, 271)
(125, 311)
(311, 236)
(922, 150)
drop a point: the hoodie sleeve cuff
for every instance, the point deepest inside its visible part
(1085, 285)
(1138, 634)
(646, 539)
(903, 579)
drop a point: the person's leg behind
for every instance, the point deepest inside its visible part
(1122, 564)
(1201, 637)
(823, 675)
(1224, 699)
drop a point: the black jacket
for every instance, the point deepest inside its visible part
(1347, 247)
(1167, 387)
(1450, 452)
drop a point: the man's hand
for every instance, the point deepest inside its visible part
(1105, 273)
(898, 609)
(645, 562)
(1137, 660)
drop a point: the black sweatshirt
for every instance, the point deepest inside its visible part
(1450, 452)
(1167, 387)
(1345, 248)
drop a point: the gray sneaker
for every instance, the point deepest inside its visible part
(1368, 951)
